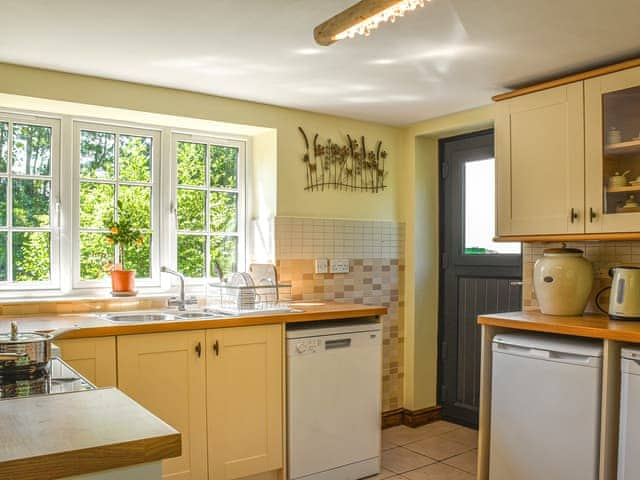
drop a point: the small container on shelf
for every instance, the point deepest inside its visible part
(618, 180)
(614, 136)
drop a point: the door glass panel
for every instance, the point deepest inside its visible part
(621, 153)
(479, 210)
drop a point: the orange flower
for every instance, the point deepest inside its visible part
(110, 241)
(139, 241)
(114, 230)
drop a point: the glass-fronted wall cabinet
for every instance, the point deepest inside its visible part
(612, 167)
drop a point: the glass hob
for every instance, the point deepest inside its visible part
(54, 378)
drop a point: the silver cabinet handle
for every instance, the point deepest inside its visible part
(516, 283)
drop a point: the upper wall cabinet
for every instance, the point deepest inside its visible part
(612, 126)
(540, 162)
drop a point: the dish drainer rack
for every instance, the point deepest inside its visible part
(238, 299)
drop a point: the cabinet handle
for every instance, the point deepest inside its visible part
(199, 349)
(216, 348)
(592, 215)
(574, 215)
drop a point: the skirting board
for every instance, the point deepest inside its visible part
(411, 418)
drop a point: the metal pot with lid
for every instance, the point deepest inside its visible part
(25, 352)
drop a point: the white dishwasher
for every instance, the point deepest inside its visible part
(628, 458)
(545, 407)
(334, 400)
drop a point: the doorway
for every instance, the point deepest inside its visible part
(477, 275)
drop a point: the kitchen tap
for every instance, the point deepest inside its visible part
(181, 302)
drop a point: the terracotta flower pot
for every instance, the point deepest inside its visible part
(123, 281)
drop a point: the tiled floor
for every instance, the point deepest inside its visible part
(438, 451)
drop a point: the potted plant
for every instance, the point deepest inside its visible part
(122, 234)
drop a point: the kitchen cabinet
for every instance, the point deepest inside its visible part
(166, 373)
(540, 162)
(94, 358)
(221, 388)
(244, 401)
(612, 125)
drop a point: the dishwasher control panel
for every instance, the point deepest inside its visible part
(311, 345)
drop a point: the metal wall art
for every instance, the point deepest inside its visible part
(347, 167)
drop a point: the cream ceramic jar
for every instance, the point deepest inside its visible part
(563, 280)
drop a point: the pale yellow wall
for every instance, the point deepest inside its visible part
(291, 198)
(420, 212)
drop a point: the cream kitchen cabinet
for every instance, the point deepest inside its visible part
(94, 358)
(221, 388)
(612, 125)
(166, 374)
(540, 162)
(244, 401)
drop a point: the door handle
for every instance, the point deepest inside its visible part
(216, 348)
(199, 349)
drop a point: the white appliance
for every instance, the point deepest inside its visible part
(545, 407)
(334, 400)
(628, 458)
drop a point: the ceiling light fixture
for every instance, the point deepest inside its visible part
(362, 19)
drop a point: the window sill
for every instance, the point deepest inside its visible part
(78, 297)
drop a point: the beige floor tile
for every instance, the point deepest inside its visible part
(467, 461)
(400, 460)
(437, 447)
(386, 444)
(383, 475)
(438, 428)
(401, 435)
(463, 435)
(438, 471)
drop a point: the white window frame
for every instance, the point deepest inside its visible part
(54, 203)
(240, 190)
(156, 195)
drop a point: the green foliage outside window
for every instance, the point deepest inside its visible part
(207, 210)
(30, 201)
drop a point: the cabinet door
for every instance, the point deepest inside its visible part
(244, 401)
(94, 358)
(612, 126)
(540, 162)
(165, 373)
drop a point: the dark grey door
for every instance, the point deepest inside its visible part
(477, 275)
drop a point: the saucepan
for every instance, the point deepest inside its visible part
(25, 352)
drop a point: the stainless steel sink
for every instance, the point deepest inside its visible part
(197, 315)
(139, 317)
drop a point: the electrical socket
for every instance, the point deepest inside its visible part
(321, 265)
(339, 266)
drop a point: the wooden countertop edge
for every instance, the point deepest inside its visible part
(284, 318)
(558, 327)
(95, 459)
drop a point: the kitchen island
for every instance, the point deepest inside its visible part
(613, 334)
(82, 433)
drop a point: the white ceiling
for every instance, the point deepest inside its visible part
(449, 56)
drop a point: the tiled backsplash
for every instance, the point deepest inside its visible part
(603, 255)
(375, 251)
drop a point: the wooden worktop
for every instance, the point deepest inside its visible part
(56, 436)
(95, 325)
(587, 325)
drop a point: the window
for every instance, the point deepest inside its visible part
(479, 208)
(209, 205)
(28, 201)
(117, 175)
